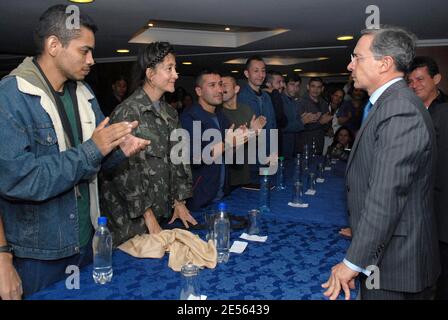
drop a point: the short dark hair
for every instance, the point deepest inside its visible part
(119, 77)
(332, 92)
(53, 23)
(293, 78)
(270, 75)
(316, 79)
(252, 58)
(425, 61)
(203, 73)
(231, 76)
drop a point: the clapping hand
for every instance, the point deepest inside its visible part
(257, 123)
(133, 145)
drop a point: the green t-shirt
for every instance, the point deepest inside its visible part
(83, 198)
(239, 173)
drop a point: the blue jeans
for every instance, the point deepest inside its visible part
(39, 274)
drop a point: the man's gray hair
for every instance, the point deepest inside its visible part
(395, 42)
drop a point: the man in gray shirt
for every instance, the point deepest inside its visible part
(313, 103)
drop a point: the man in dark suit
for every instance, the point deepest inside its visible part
(423, 78)
(389, 179)
(439, 114)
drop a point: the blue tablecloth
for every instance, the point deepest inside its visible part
(328, 205)
(302, 246)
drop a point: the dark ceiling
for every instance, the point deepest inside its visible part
(313, 24)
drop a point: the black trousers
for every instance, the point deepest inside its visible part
(442, 283)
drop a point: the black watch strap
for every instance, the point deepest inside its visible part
(6, 248)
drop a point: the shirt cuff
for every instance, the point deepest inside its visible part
(356, 268)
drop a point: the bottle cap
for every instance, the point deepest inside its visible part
(222, 206)
(102, 221)
(265, 172)
(281, 158)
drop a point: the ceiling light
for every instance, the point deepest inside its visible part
(82, 1)
(150, 24)
(344, 38)
(285, 74)
(227, 29)
(234, 71)
(322, 58)
(122, 51)
(187, 63)
(297, 70)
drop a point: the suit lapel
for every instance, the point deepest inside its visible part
(396, 86)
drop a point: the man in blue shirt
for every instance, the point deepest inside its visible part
(210, 176)
(260, 102)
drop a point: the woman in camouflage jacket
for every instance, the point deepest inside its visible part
(148, 187)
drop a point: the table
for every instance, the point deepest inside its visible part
(302, 246)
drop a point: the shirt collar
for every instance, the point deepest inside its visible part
(378, 92)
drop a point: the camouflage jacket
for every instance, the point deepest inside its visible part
(148, 179)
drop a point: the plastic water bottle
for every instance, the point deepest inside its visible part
(102, 253)
(264, 192)
(222, 233)
(281, 174)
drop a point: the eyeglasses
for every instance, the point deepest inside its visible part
(354, 57)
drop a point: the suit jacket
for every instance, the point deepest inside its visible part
(390, 193)
(439, 114)
(206, 177)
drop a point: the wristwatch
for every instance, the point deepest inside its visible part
(6, 248)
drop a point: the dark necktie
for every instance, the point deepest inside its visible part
(366, 110)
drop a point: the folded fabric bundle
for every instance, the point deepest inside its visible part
(184, 247)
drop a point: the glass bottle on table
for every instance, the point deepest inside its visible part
(312, 181)
(313, 149)
(264, 200)
(297, 176)
(297, 193)
(281, 174)
(320, 171)
(306, 157)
